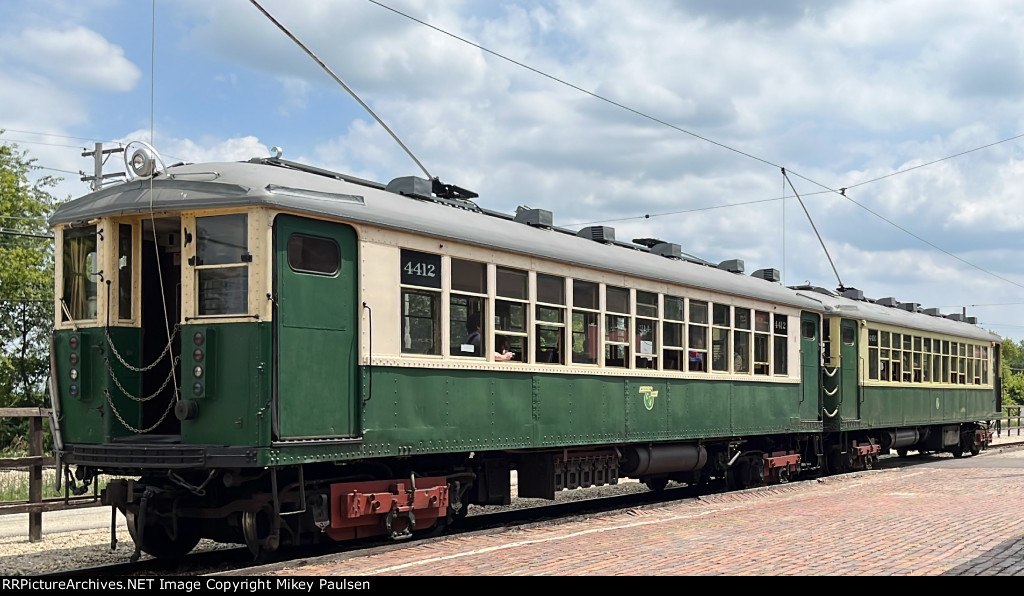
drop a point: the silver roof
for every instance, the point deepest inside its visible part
(245, 184)
(888, 315)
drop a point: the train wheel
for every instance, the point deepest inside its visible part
(957, 451)
(902, 452)
(157, 542)
(656, 484)
(975, 451)
(258, 530)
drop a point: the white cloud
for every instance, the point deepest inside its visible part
(78, 55)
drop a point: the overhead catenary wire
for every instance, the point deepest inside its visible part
(841, 191)
(340, 82)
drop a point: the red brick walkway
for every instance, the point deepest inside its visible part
(908, 521)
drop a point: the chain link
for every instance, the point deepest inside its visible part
(113, 377)
(167, 349)
(140, 431)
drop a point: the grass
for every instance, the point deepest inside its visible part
(14, 485)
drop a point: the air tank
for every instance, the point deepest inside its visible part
(647, 460)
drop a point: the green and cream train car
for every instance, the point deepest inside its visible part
(898, 377)
(272, 354)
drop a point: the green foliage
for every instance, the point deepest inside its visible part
(1012, 371)
(26, 286)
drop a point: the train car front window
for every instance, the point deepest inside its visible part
(222, 265)
(79, 269)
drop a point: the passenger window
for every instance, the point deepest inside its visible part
(421, 303)
(550, 318)
(585, 315)
(467, 317)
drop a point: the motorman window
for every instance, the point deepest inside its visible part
(222, 265)
(78, 299)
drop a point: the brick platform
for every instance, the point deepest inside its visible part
(916, 520)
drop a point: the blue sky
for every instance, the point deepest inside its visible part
(857, 95)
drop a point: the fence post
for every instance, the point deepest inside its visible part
(35, 479)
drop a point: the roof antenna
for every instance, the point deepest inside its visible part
(841, 286)
(342, 83)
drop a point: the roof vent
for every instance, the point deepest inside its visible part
(732, 266)
(891, 302)
(971, 320)
(598, 234)
(852, 294)
(538, 218)
(955, 317)
(933, 312)
(911, 306)
(772, 275)
(668, 250)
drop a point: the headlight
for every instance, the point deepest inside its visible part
(73, 390)
(198, 338)
(73, 374)
(197, 355)
(197, 388)
(197, 372)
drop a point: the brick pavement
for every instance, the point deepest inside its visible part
(908, 521)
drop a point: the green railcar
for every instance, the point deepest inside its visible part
(271, 354)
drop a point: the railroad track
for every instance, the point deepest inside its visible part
(239, 561)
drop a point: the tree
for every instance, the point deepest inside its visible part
(26, 286)
(1012, 355)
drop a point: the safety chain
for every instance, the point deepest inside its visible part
(830, 374)
(833, 392)
(140, 431)
(833, 414)
(113, 377)
(167, 348)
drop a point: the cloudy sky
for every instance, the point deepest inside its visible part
(666, 119)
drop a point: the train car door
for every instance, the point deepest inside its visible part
(848, 370)
(315, 281)
(810, 366)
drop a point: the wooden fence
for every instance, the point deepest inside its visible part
(35, 462)
(1010, 423)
